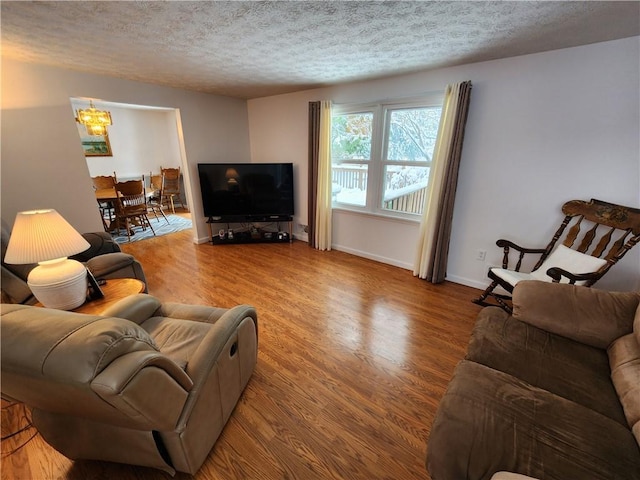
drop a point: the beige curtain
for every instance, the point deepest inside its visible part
(323, 196)
(320, 175)
(435, 228)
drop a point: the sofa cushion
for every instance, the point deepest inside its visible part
(511, 276)
(587, 315)
(624, 356)
(490, 421)
(177, 339)
(574, 371)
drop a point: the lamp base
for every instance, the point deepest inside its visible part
(60, 284)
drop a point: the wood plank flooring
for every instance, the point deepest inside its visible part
(354, 356)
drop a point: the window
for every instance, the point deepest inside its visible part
(381, 156)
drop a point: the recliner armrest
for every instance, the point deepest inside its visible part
(587, 315)
(116, 265)
(147, 386)
(136, 308)
(100, 243)
(209, 349)
(231, 340)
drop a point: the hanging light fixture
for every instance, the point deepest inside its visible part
(94, 120)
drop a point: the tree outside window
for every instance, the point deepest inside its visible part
(351, 136)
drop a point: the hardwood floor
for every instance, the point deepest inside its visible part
(354, 357)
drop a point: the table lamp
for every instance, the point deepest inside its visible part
(43, 236)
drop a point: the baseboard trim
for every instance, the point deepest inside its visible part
(377, 258)
(467, 281)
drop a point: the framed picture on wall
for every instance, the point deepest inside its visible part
(96, 146)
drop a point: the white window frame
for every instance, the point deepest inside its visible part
(379, 144)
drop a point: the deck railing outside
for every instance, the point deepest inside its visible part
(349, 177)
(408, 200)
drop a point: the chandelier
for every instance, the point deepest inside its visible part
(94, 120)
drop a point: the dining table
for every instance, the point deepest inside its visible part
(106, 194)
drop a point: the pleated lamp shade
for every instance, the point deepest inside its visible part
(46, 238)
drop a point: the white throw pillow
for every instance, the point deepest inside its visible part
(569, 260)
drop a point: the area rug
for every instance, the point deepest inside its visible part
(161, 227)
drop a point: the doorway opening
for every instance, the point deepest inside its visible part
(141, 141)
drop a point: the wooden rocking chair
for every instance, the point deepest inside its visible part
(611, 231)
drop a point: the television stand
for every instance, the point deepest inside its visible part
(251, 233)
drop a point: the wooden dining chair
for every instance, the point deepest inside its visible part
(154, 201)
(104, 181)
(171, 186)
(107, 209)
(131, 206)
(592, 238)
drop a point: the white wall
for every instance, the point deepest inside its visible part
(141, 141)
(542, 129)
(43, 164)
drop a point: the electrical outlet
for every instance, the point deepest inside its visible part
(481, 255)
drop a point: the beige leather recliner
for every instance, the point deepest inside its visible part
(147, 384)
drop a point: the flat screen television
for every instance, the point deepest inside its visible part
(237, 192)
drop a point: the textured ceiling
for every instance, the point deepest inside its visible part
(253, 49)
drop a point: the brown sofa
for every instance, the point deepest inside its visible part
(551, 392)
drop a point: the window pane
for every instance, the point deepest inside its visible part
(350, 140)
(349, 183)
(412, 134)
(405, 188)
(351, 136)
